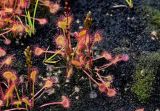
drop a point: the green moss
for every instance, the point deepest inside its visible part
(154, 16)
(146, 70)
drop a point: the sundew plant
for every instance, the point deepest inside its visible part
(16, 18)
(48, 62)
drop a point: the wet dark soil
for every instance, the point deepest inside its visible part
(124, 31)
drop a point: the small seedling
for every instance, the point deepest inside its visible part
(130, 3)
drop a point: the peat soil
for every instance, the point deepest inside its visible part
(124, 31)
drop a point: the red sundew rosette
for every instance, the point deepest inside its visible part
(7, 61)
(10, 76)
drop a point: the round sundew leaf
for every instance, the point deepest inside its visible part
(2, 52)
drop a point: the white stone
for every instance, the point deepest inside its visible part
(77, 89)
(77, 21)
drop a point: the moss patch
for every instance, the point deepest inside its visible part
(153, 20)
(144, 77)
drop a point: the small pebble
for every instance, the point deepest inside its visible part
(59, 85)
(153, 38)
(48, 74)
(59, 71)
(55, 74)
(77, 21)
(17, 41)
(40, 84)
(51, 91)
(80, 27)
(77, 89)
(22, 44)
(93, 95)
(125, 89)
(95, 85)
(67, 80)
(154, 33)
(77, 97)
(128, 18)
(107, 14)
